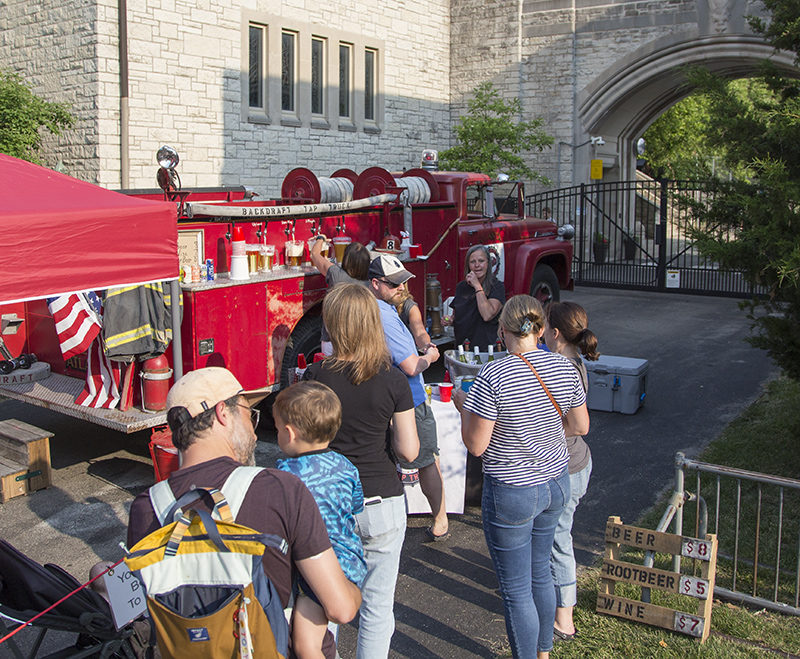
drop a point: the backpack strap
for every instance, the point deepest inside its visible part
(162, 499)
(235, 488)
(168, 509)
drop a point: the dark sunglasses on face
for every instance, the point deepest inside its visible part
(389, 283)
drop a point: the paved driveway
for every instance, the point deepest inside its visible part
(702, 374)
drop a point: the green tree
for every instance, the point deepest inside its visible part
(753, 223)
(676, 146)
(22, 114)
(490, 139)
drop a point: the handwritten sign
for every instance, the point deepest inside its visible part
(190, 248)
(700, 588)
(125, 595)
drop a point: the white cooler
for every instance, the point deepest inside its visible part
(617, 384)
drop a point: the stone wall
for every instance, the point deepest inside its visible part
(53, 45)
(188, 60)
(185, 63)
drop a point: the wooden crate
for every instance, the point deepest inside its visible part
(24, 459)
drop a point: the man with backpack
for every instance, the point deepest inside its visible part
(213, 427)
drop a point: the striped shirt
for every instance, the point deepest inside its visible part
(527, 445)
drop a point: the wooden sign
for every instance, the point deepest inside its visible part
(700, 588)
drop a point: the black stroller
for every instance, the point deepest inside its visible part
(28, 588)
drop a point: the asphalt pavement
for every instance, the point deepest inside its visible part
(701, 375)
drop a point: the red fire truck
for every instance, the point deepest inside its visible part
(258, 326)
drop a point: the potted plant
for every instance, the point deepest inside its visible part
(629, 245)
(600, 247)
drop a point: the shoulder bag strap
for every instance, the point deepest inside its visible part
(541, 382)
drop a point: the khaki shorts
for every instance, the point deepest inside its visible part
(428, 442)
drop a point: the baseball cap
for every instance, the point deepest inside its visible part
(201, 390)
(388, 267)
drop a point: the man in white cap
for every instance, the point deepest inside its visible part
(387, 279)
(213, 427)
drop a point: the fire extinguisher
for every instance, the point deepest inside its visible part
(155, 375)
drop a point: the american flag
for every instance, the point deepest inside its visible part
(78, 322)
(102, 388)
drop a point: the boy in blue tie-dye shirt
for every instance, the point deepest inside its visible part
(308, 416)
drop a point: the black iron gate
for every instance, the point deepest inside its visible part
(634, 234)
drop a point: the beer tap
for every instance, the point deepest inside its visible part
(340, 225)
(289, 228)
(314, 227)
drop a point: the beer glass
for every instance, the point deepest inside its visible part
(340, 243)
(253, 252)
(294, 253)
(267, 257)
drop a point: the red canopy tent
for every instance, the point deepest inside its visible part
(61, 235)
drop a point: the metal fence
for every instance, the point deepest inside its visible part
(755, 518)
(634, 234)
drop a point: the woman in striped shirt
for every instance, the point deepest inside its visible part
(515, 417)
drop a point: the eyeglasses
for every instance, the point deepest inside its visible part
(389, 283)
(255, 414)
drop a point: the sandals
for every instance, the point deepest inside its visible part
(432, 537)
(563, 637)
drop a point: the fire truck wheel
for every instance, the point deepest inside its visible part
(303, 340)
(544, 284)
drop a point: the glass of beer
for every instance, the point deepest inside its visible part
(267, 257)
(253, 252)
(340, 243)
(324, 251)
(294, 253)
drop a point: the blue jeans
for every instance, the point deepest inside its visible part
(562, 559)
(382, 528)
(519, 523)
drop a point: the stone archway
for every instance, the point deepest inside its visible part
(627, 97)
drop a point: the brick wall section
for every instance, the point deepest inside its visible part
(53, 45)
(185, 87)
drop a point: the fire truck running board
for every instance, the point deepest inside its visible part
(58, 393)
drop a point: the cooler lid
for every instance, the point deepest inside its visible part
(617, 365)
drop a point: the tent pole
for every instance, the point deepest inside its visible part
(175, 294)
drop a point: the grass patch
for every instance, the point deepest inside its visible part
(764, 438)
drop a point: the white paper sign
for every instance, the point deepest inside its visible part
(125, 595)
(673, 278)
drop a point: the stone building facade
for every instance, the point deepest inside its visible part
(246, 90)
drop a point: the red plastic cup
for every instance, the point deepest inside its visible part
(414, 251)
(445, 391)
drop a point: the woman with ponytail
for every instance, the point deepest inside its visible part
(567, 334)
(515, 417)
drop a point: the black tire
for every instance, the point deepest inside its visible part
(544, 284)
(24, 360)
(305, 339)
(6, 367)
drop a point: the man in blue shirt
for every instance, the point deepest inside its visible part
(387, 280)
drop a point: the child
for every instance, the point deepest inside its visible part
(308, 416)
(567, 333)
